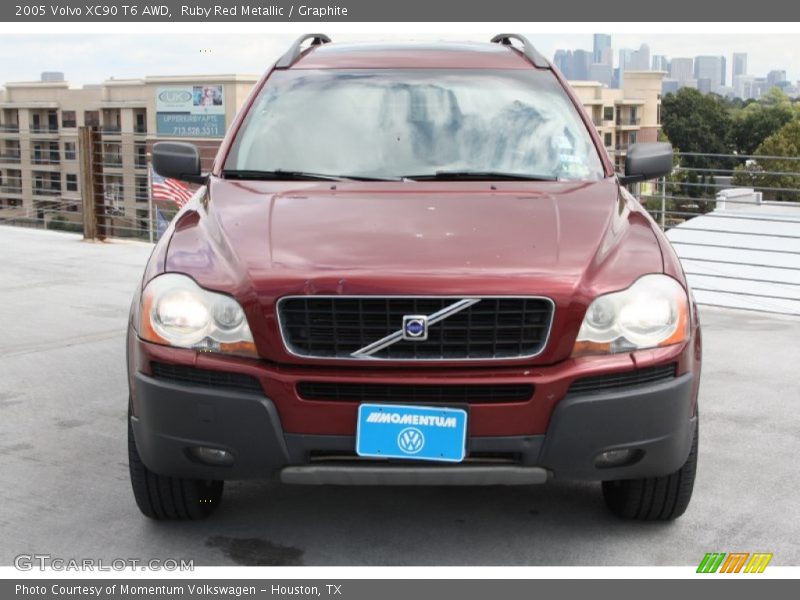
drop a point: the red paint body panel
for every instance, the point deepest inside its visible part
(568, 241)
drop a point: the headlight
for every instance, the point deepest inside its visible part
(653, 312)
(178, 312)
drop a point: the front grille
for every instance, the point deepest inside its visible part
(601, 383)
(414, 393)
(338, 326)
(206, 377)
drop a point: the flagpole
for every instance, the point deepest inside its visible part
(150, 196)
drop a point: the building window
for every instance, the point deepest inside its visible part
(91, 118)
(632, 137)
(608, 113)
(68, 118)
(607, 140)
(72, 182)
(141, 156)
(141, 189)
(69, 151)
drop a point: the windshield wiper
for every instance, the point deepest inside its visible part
(277, 174)
(285, 175)
(480, 175)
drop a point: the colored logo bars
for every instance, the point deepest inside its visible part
(735, 562)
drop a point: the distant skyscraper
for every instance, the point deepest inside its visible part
(711, 68)
(602, 53)
(633, 60)
(52, 76)
(669, 86)
(602, 73)
(562, 59)
(776, 77)
(743, 86)
(660, 63)
(574, 64)
(641, 59)
(681, 69)
(739, 63)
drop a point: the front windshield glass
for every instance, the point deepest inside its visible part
(390, 123)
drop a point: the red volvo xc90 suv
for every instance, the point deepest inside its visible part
(413, 265)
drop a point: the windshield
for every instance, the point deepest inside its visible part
(381, 123)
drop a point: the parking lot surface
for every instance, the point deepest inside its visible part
(65, 491)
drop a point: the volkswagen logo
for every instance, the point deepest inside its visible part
(415, 327)
(410, 440)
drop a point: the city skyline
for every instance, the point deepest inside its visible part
(91, 59)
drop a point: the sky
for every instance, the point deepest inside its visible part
(93, 58)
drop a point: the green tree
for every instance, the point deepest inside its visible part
(698, 123)
(755, 122)
(781, 176)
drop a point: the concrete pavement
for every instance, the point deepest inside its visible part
(63, 466)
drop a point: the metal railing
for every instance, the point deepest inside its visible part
(734, 221)
(122, 206)
(45, 160)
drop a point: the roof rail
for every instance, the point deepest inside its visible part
(292, 54)
(527, 48)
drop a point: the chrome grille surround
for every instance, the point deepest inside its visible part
(362, 336)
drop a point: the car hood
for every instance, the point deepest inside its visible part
(412, 238)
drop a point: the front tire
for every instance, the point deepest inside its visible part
(169, 498)
(654, 498)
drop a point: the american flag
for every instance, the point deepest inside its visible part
(170, 190)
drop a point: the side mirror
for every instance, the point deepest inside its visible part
(178, 160)
(647, 161)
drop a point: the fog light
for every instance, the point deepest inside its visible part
(617, 458)
(212, 456)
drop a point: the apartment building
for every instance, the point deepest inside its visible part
(40, 174)
(624, 116)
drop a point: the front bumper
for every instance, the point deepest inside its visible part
(655, 420)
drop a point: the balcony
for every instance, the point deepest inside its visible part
(9, 128)
(629, 122)
(112, 161)
(111, 129)
(45, 160)
(11, 187)
(9, 157)
(140, 129)
(47, 130)
(46, 190)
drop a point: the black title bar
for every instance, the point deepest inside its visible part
(609, 11)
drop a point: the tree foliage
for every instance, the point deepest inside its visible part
(755, 122)
(780, 177)
(710, 124)
(698, 123)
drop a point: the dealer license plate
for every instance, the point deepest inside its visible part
(413, 432)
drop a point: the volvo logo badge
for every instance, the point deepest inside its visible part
(410, 440)
(415, 328)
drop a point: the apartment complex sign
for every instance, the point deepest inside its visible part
(190, 111)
